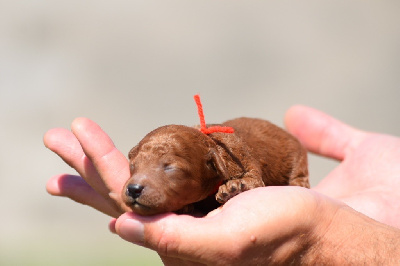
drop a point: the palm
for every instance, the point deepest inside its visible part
(367, 178)
(180, 239)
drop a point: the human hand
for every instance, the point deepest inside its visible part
(269, 225)
(262, 226)
(106, 169)
(103, 169)
(368, 176)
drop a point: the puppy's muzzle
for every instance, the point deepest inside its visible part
(134, 191)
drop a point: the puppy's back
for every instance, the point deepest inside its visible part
(283, 159)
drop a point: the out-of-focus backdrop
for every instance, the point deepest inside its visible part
(132, 66)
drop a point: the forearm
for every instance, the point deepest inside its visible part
(352, 238)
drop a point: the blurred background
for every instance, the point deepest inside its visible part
(132, 66)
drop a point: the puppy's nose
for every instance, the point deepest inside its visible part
(134, 190)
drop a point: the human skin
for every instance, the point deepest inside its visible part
(368, 176)
(291, 225)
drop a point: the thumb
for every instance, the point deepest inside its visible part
(321, 133)
(171, 235)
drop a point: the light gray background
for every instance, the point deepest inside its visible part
(132, 66)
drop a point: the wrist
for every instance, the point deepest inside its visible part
(349, 237)
(302, 241)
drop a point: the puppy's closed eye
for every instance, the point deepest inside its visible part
(169, 167)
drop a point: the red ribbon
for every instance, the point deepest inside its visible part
(203, 128)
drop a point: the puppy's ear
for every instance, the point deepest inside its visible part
(215, 162)
(133, 152)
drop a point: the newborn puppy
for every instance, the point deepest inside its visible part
(179, 168)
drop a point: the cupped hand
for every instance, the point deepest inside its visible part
(367, 179)
(262, 226)
(368, 176)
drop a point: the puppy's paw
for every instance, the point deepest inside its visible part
(230, 189)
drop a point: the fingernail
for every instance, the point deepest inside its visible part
(132, 231)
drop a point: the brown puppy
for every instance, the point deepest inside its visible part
(179, 168)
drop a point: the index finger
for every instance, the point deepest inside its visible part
(109, 162)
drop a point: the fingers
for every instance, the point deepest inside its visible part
(91, 152)
(64, 143)
(321, 133)
(171, 235)
(75, 188)
(110, 163)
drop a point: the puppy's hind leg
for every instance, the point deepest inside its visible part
(299, 175)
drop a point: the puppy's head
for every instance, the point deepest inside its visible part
(172, 167)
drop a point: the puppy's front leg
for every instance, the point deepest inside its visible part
(234, 187)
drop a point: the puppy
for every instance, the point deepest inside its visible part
(180, 169)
